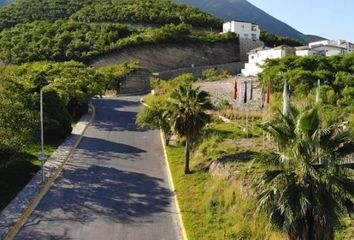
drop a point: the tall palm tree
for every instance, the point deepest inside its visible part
(188, 116)
(306, 190)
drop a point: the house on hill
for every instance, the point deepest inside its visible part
(244, 30)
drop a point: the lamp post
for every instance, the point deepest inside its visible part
(42, 155)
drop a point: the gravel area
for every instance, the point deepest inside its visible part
(224, 90)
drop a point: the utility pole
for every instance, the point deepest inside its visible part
(42, 155)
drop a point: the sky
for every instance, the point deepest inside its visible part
(332, 19)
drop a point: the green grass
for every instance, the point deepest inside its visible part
(16, 175)
(214, 209)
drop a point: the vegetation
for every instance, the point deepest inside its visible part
(237, 170)
(213, 74)
(187, 115)
(302, 74)
(61, 41)
(214, 208)
(271, 40)
(58, 41)
(146, 11)
(306, 189)
(26, 11)
(68, 87)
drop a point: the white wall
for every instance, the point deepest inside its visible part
(303, 53)
(257, 59)
(243, 29)
(324, 42)
(329, 50)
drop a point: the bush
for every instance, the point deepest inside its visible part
(302, 74)
(212, 74)
(57, 118)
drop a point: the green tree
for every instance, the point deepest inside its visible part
(306, 190)
(188, 116)
(156, 115)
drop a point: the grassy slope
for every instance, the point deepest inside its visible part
(211, 207)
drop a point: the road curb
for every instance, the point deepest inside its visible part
(172, 186)
(48, 183)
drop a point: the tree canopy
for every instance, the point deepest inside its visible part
(68, 87)
(302, 74)
(62, 40)
(146, 11)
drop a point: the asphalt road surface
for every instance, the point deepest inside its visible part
(115, 186)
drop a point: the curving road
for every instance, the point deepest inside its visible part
(115, 186)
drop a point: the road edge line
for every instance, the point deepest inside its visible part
(48, 183)
(172, 186)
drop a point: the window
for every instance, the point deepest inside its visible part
(246, 35)
(254, 28)
(254, 36)
(243, 26)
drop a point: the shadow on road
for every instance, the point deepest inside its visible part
(118, 118)
(84, 193)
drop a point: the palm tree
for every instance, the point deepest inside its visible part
(188, 116)
(306, 189)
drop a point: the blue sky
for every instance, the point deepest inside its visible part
(333, 19)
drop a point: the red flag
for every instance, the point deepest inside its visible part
(235, 90)
(268, 92)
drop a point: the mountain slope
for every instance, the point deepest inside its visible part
(245, 11)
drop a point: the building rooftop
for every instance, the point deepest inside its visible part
(332, 46)
(241, 21)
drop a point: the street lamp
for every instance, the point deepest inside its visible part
(42, 155)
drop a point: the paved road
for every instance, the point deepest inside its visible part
(115, 186)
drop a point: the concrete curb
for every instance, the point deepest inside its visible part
(17, 212)
(184, 233)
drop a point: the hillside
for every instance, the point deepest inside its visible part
(126, 11)
(62, 30)
(245, 11)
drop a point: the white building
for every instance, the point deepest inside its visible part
(258, 56)
(347, 45)
(304, 51)
(243, 29)
(325, 48)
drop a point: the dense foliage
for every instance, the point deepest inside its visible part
(61, 40)
(302, 74)
(68, 87)
(25, 11)
(58, 41)
(142, 11)
(271, 40)
(146, 11)
(306, 188)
